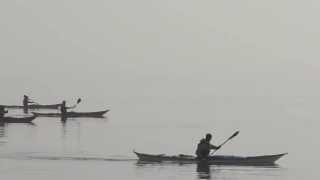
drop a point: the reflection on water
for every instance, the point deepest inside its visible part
(2, 133)
(2, 129)
(203, 170)
(90, 143)
(10, 130)
(64, 127)
(71, 135)
(63, 119)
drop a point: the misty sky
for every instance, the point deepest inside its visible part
(145, 48)
(246, 65)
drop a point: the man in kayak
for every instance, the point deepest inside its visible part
(26, 103)
(64, 108)
(3, 111)
(204, 147)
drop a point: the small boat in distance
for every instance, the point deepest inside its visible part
(266, 160)
(72, 114)
(34, 106)
(17, 119)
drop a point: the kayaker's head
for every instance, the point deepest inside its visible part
(208, 137)
(64, 102)
(25, 96)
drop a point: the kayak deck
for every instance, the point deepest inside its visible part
(217, 159)
(35, 106)
(97, 114)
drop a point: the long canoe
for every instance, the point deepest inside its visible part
(17, 119)
(35, 106)
(266, 160)
(72, 114)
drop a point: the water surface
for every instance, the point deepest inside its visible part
(100, 148)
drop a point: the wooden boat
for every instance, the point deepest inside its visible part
(17, 119)
(35, 106)
(266, 160)
(72, 114)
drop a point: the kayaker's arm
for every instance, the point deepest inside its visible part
(214, 147)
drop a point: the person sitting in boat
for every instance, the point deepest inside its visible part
(64, 108)
(3, 111)
(26, 103)
(204, 147)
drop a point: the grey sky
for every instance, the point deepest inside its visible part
(245, 64)
(163, 48)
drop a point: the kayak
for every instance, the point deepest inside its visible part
(17, 119)
(72, 114)
(217, 159)
(35, 106)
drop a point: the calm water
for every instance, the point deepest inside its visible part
(170, 71)
(102, 148)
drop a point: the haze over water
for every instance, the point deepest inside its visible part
(170, 71)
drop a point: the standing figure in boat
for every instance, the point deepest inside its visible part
(3, 111)
(26, 103)
(204, 147)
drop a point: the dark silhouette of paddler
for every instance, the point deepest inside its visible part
(26, 102)
(64, 108)
(204, 147)
(3, 111)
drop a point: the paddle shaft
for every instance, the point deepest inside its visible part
(233, 135)
(74, 106)
(33, 101)
(214, 151)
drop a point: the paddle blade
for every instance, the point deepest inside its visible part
(234, 134)
(79, 100)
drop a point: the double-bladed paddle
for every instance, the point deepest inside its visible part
(233, 135)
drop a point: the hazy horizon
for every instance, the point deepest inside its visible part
(223, 65)
(167, 48)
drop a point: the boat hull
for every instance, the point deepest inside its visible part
(35, 106)
(266, 160)
(97, 114)
(17, 119)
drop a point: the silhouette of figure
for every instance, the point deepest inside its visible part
(26, 103)
(63, 110)
(3, 111)
(204, 147)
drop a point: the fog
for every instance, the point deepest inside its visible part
(249, 63)
(140, 48)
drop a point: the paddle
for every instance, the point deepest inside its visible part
(33, 101)
(233, 135)
(74, 106)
